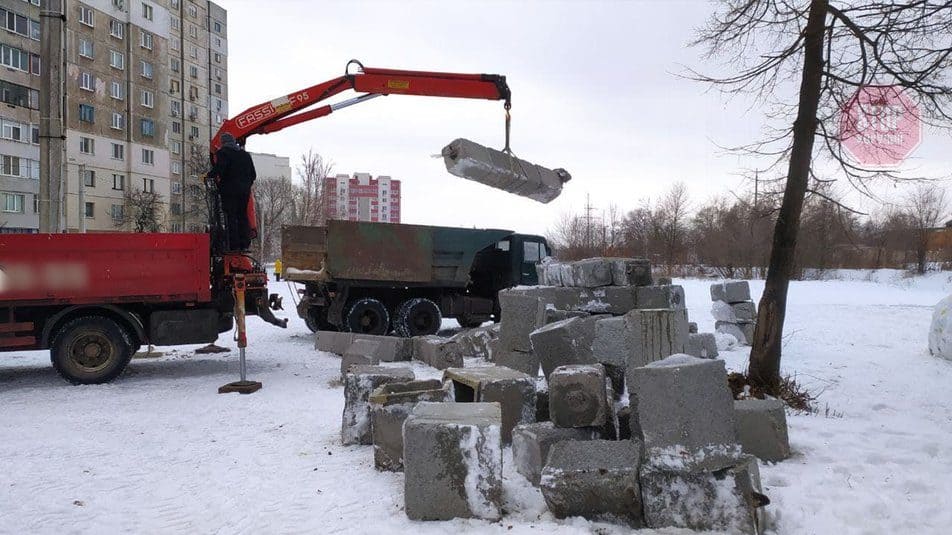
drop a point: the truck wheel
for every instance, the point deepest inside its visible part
(418, 317)
(368, 316)
(316, 320)
(91, 350)
(467, 322)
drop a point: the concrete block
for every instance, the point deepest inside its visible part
(613, 341)
(390, 404)
(553, 273)
(684, 402)
(595, 479)
(531, 444)
(520, 315)
(658, 333)
(631, 272)
(578, 396)
(476, 342)
(452, 461)
(702, 345)
(743, 332)
(513, 390)
(441, 353)
(623, 422)
(525, 362)
(762, 428)
(359, 382)
(333, 341)
(722, 496)
(588, 273)
(745, 312)
(553, 315)
(671, 296)
(390, 348)
(664, 281)
(692, 327)
(564, 342)
(730, 292)
(603, 300)
(360, 353)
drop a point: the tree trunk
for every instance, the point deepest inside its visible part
(764, 368)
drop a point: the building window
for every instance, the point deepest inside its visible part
(148, 127)
(118, 121)
(86, 49)
(35, 67)
(175, 4)
(115, 91)
(176, 188)
(12, 130)
(118, 151)
(86, 16)
(174, 44)
(146, 11)
(194, 134)
(87, 145)
(117, 60)
(148, 99)
(193, 71)
(217, 73)
(176, 127)
(86, 81)
(217, 27)
(176, 170)
(192, 11)
(18, 95)
(193, 31)
(148, 156)
(10, 166)
(20, 25)
(148, 185)
(117, 212)
(176, 147)
(89, 178)
(174, 87)
(117, 29)
(14, 58)
(175, 107)
(218, 44)
(35, 131)
(13, 203)
(218, 89)
(194, 52)
(217, 57)
(118, 182)
(87, 113)
(175, 23)
(145, 40)
(175, 65)
(175, 208)
(90, 210)
(146, 70)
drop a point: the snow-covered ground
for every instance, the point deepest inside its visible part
(159, 451)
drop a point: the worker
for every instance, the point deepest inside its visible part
(235, 173)
(277, 269)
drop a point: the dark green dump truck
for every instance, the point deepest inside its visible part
(378, 278)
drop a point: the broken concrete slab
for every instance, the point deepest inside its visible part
(588, 273)
(390, 404)
(359, 382)
(721, 495)
(520, 315)
(671, 296)
(360, 353)
(731, 292)
(564, 342)
(477, 342)
(452, 460)
(702, 345)
(333, 341)
(578, 396)
(436, 351)
(513, 390)
(631, 272)
(762, 428)
(390, 348)
(531, 444)
(684, 402)
(595, 479)
(743, 332)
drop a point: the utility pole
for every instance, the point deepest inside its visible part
(588, 222)
(52, 119)
(81, 211)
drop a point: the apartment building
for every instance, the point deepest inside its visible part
(362, 198)
(146, 88)
(271, 166)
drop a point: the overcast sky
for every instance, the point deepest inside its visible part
(595, 91)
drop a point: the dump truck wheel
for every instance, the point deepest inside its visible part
(368, 316)
(91, 350)
(469, 323)
(418, 317)
(316, 320)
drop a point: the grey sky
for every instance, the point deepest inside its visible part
(594, 91)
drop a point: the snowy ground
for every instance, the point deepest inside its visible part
(159, 451)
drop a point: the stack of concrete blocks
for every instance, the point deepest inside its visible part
(438, 352)
(390, 405)
(478, 342)
(762, 428)
(513, 390)
(694, 474)
(359, 382)
(452, 460)
(733, 310)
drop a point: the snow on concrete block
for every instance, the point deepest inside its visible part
(359, 382)
(436, 351)
(730, 292)
(589, 273)
(390, 405)
(513, 390)
(390, 348)
(333, 341)
(940, 331)
(531, 444)
(564, 342)
(631, 272)
(744, 312)
(520, 315)
(578, 396)
(702, 345)
(594, 479)
(671, 296)
(476, 342)
(452, 460)
(762, 428)
(722, 495)
(553, 273)
(743, 332)
(685, 402)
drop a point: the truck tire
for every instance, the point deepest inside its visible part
(418, 317)
(316, 320)
(368, 316)
(91, 350)
(467, 322)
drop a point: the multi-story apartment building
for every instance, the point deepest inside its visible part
(145, 91)
(362, 198)
(271, 166)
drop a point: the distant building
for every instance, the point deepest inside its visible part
(362, 198)
(271, 166)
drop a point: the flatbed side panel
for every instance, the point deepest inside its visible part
(302, 248)
(103, 268)
(379, 251)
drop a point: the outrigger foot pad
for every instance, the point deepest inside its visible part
(242, 387)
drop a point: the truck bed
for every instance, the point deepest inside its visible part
(103, 268)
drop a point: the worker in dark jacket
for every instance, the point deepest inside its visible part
(235, 173)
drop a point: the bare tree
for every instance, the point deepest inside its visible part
(313, 172)
(926, 207)
(832, 48)
(142, 210)
(275, 197)
(195, 193)
(673, 213)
